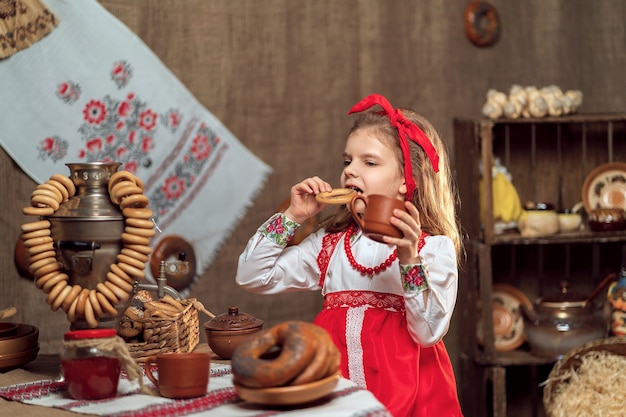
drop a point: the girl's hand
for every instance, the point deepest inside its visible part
(411, 228)
(303, 204)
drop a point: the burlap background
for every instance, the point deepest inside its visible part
(282, 74)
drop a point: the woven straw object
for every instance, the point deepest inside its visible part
(180, 333)
(561, 372)
(22, 23)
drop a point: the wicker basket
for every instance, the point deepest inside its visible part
(572, 360)
(181, 333)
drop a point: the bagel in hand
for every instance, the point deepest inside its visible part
(336, 196)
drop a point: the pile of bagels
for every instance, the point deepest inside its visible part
(142, 307)
(125, 190)
(288, 354)
(530, 101)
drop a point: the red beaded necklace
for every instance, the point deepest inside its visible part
(362, 269)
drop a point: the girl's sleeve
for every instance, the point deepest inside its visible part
(430, 290)
(269, 266)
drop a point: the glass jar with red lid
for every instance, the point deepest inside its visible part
(91, 369)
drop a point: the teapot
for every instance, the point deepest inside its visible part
(562, 321)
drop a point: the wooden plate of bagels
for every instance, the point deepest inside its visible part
(289, 395)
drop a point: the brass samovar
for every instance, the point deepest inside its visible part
(89, 248)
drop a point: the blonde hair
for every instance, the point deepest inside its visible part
(435, 194)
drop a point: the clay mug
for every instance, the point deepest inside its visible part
(375, 220)
(180, 375)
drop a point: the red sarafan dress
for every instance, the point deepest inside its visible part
(389, 333)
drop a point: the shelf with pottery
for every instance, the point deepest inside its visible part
(565, 162)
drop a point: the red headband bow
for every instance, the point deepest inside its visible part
(407, 130)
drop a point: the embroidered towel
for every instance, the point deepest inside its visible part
(93, 91)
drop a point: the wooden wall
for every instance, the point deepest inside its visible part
(282, 74)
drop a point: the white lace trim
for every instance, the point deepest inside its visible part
(354, 327)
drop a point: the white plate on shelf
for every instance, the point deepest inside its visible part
(605, 187)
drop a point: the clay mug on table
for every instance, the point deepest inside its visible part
(180, 375)
(375, 220)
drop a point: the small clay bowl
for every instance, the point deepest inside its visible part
(226, 331)
(607, 219)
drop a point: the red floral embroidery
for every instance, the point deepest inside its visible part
(95, 112)
(276, 226)
(94, 144)
(382, 301)
(174, 187)
(148, 119)
(131, 166)
(201, 147)
(124, 109)
(329, 243)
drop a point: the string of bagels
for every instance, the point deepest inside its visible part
(126, 191)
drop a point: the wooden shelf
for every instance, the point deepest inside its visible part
(549, 159)
(513, 358)
(589, 236)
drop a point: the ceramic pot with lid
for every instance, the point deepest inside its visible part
(560, 322)
(226, 331)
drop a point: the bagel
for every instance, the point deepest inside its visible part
(140, 231)
(123, 190)
(38, 211)
(121, 176)
(170, 247)
(39, 200)
(71, 312)
(106, 305)
(134, 201)
(60, 298)
(120, 273)
(131, 239)
(36, 241)
(60, 192)
(34, 226)
(144, 249)
(295, 343)
(482, 24)
(135, 255)
(93, 299)
(71, 296)
(110, 295)
(336, 196)
(44, 247)
(36, 233)
(41, 255)
(66, 182)
(65, 194)
(137, 213)
(56, 195)
(132, 270)
(141, 223)
(322, 363)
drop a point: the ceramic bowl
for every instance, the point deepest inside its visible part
(25, 338)
(569, 222)
(607, 219)
(226, 331)
(538, 220)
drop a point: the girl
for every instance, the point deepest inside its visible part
(388, 324)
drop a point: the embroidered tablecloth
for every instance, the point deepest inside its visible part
(93, 91)
(221, 400)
